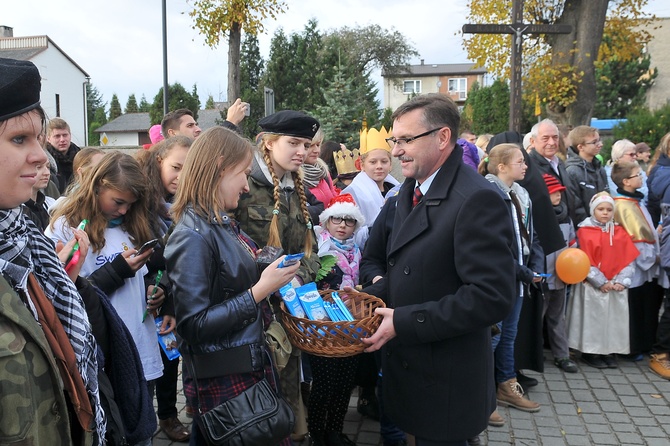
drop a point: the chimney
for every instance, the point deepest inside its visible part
(421, 59)
(6, 31)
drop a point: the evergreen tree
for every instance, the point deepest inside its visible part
(178, 97)
(344, 106)
(209, 105)
(622, 86)
(302, 65)
(487, 108)
(114, 108)
(251, 73)
(93, 101)
(99, 119)
(144, 107)
(131, 105)
(294, 70)
(95, 113)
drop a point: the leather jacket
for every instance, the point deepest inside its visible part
(211, 273)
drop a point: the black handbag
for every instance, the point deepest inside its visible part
(257, 416)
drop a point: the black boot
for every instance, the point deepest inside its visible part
(338, 439)
(368, 406)
(316, 438)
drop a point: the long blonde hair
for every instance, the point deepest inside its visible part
(273, 237)
(116, 171)
(215, 150)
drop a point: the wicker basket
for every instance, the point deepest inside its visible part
(335, 339)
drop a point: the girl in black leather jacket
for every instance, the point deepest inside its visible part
(219, 293)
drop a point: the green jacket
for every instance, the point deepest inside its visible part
(254, 213)
(33, 403)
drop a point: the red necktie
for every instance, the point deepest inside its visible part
(416, 198)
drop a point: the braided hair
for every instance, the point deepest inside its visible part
(273, 237)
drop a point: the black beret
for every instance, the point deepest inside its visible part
(290, 123)
(20, 84)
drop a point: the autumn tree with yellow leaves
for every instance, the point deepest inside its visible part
(561, 68)
(216, 19)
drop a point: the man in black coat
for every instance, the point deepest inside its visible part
(544, 139)
(61, 147)
(450, 275)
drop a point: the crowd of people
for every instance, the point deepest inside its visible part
(461, 242)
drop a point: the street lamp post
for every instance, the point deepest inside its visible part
(165, 63)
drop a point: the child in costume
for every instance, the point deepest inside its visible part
(333, 378)
(645, 296)
(598, 310)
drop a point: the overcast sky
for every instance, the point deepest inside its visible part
(119, 44)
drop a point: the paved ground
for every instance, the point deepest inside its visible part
(624, 406)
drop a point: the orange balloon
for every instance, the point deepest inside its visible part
(572, 265)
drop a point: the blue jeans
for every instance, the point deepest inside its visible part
(503, 344)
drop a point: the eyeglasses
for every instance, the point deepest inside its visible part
(392, 141)
(594, 142)
(631, 154)
(639, 174)
(351, 222)
(522, 163)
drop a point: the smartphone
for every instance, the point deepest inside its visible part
(247, 110)
(268, 255)
(291, 259)
(75, 248)
(151, 244)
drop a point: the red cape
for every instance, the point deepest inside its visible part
(610, 260)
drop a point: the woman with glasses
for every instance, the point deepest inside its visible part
(624, 150)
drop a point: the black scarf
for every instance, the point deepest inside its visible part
(637, 194)
(25, 249)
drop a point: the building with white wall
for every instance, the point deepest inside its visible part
(454, 80)
(63, 80)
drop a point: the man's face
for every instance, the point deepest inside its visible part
(60, 139)
(591, 147)
(546, 142)
(188, 127)
(420, 158)
(644, 156)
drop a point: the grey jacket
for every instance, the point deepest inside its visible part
(587, 180)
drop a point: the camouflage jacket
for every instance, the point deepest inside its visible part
(33, 403)
(254, 213)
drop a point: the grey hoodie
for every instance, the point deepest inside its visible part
(587, 180)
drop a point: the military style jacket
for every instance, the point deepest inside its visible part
(33, 409)
(254, 213)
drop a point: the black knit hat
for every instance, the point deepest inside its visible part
(290, 123)
(20, 84)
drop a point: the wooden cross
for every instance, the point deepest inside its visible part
(518, 29)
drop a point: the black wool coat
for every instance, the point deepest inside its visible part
(451, 274)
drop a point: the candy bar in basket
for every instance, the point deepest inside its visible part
(328, 323)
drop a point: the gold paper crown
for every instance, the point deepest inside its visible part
(345, 161)
(374, 139)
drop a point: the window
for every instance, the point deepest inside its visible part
(459, 86)
(410, 87)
